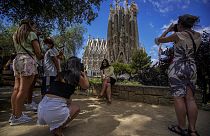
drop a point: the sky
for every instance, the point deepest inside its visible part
(153, 17)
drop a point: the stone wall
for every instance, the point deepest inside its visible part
(147, 94)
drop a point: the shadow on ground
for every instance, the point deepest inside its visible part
(99, 119)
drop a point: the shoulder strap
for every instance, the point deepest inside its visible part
(29, 53)
(194, 45)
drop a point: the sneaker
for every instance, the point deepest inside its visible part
(31, 107)
(12, 117)
(21, 120)
(34, 104)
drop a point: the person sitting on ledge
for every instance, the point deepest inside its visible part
(56, 109)
(108, 79)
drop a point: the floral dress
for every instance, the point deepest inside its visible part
(182, 71)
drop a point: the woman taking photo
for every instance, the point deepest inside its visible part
(56, 109)
(108, 79)
(182, 72)
(26, 46)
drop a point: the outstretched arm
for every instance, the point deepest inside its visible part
(164, 39)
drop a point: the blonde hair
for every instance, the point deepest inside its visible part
(23, 31)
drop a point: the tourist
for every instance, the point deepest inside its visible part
(51, 65)
(182, 72)
(24, 66)
(56, 109)
(108, 79)
(30, 103)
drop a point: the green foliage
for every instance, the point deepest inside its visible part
(72, 39)
(6, 41)
(51, 13)
(140, 60)
(95, 80)
(120, 68)
(130, 83)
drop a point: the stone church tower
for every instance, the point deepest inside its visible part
(122, 35)
(95, 52)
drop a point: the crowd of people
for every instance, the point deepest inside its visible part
(60, 81)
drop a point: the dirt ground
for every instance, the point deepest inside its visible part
(121, 118)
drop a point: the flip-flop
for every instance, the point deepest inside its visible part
(176, 129)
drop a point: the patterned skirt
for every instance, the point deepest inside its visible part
(182, 75)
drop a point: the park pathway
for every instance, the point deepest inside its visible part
(121, 118)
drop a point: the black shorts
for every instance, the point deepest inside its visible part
(112, 81)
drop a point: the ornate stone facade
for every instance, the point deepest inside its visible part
(95, 52)
(122, 35)
(122, 39)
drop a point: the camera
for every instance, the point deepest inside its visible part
(82, 67)
(175, 28)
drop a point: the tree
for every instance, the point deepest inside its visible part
(6, 41)
(121, 68)
(140, 60)
(51, 13)
(71, 40)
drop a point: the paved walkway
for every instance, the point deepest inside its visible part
(121, 118)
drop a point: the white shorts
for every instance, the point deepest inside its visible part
(53, 112)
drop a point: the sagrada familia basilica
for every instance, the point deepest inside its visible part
(122, 39)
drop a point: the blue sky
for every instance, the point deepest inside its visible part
(153, 17)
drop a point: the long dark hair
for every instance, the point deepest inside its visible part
(71, 71)
(107, 64)
(188, 21)
(25, 27)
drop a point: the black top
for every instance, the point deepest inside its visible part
(61, 89)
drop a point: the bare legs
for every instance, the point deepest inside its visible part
(180, 110)
(74, 111)
(14, 94)
(108, 93)
(21, 89)
(106, 89)
(186, 106)
(192, 110)
(30, 92)
(104, 86)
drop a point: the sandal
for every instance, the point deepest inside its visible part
(191, 132)
(176, 129)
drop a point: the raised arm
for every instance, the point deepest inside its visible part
(165, 39)
(83, 81)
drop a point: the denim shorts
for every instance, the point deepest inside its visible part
(53, 111)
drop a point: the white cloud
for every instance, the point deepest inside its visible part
(200, 30)
(151, 25)
(164, 6)
(165, 26)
